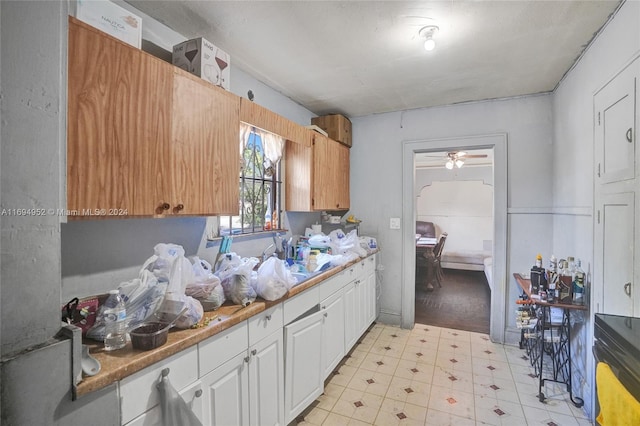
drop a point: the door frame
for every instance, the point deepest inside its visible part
(497, 142)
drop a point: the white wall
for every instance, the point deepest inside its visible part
(573, 150)
(376, 167)
(462, 209)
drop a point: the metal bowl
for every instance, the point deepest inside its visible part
(149, 335)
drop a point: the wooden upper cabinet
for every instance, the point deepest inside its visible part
(317, 177)
(330, 174)
(259, 116)
(204, 147)
(145, 138)
(118, 124)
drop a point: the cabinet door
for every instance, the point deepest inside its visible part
(330, 174)
(351, 316)
(614, 240)
(226, 392)
(333, 332)
(118, 124)
(192, 395)
(303, 364)
(298, 177)
(370, 290)
(266, 377)
(615, 130)
(205, 138)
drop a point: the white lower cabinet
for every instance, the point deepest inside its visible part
(266, 381)
(192, 395)
(303, 381)
(333, 325)
(262, 372)
(369, 277)
(226, 392)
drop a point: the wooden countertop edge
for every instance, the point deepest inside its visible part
(524, 284)
(119, 364)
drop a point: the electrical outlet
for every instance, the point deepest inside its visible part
(394, 223)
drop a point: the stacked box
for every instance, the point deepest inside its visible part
(202, 58)
(337, 126)
(111, 19)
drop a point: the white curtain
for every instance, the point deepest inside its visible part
(273, 144)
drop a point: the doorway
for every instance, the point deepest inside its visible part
(497, 143)
(455, 197)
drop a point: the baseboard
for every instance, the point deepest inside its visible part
(388, 318)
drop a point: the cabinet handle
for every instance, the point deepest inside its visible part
(246, 359)
(253, 352)
(324, 307)
(627, 289)
(179, 207)
(629, 135)
(268, 317)
(198, 393)
(326, 314)
(165, 206)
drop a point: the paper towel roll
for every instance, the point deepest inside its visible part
(317, 229)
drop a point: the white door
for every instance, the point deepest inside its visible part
(370, 290)
(350, 316)
(226, 392)
(333, 329)
(303, 381)
(615, 129)
(266, 380)
(614, 238)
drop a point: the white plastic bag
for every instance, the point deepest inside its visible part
(142, 296)
(274, 279)
(207, 287)
(193, 315)
(237, 275)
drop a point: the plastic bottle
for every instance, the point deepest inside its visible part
(539, 261)
(115, 322)
(578, 284)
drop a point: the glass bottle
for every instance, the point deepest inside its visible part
(578, 284)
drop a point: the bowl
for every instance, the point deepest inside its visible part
(149, 335)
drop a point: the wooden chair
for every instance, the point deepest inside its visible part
(434, 259)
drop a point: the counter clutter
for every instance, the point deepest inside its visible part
(117, 365)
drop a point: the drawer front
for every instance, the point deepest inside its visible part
(352, 272)
(138, 392)
(220, 348)
(300, 304)
(265, 323)
(333, 284)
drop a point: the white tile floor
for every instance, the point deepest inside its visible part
(437, 376)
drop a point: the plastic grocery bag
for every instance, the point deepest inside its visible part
(193, 315)
(175, 410)
(274, 279)
(236, 275)
(170, 265)
(207, 287)
(142, 296)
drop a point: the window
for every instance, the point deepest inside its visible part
(259, 185)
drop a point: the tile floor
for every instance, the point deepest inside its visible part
(437, 376)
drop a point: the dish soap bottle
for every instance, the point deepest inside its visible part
(578, 284)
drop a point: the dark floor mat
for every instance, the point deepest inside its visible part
(463, 302)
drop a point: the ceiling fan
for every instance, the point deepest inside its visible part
(457, 158)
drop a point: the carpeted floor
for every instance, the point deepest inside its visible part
(463, 302)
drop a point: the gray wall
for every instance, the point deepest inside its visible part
(377, 146)
(573, 172)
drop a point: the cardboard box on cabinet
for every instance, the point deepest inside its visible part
(111, 19)
(202, 58)
(337, 126)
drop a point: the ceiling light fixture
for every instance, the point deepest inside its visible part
(449, 164)
(427, 33)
